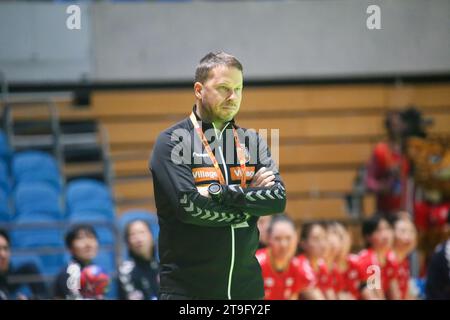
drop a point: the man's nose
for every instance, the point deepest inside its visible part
(233, 95)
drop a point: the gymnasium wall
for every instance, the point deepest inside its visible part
(274, 39)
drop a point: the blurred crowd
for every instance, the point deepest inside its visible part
(81, 278)
(321, 260)
(317, 262)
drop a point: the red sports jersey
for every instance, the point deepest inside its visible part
(352, 276)
(428, 215)
(403, 276)
(389, 271)
(321, 272)
(337, 279)
(381, 166)
(282, 285)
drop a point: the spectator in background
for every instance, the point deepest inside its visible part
(438, 275)
(81, 279)
(378, 264)
(8, 287)
(314, 244)
(388, 168)
(334, 247)
(138, 276)
(284, 277)
(263, 227)
(405, 241)
(347, 271)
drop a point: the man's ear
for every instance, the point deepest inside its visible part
(198, 90)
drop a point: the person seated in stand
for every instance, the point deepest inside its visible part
(405, 242)
(285, 278)
(314, 244)
(379, 267)
(80, 278)
(139, 275)
(347, 271)
(9, 289)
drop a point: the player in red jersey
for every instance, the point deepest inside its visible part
(405, 241)
(334, 248)
(379, 267)
(285, 276)
(314, 243)
(347, 269)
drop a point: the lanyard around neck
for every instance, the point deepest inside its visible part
(239, 151)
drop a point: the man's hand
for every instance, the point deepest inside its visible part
(263, 178)
(203, 191)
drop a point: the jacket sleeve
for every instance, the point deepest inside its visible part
(262, 200)
(173, 177)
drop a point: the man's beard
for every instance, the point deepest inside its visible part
(216, 113)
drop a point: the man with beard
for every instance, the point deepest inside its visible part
(208, 207)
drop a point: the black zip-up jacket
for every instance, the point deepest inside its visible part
(207, 247)
(67, 281)
(138, 279)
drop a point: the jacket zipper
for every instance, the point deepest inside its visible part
(230, 273)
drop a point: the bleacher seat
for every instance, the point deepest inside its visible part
(33, 166)
(5, 151)
(5, 213)
(138, 214)
(38, 214)
(104, 228)
(40, 237)
(47, 264)
(37, 198)
(52, 262)
(4, 177)
(37, 230)
(38, 223)
(88, 195)
(20, 260)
